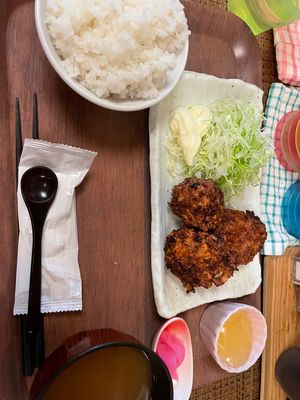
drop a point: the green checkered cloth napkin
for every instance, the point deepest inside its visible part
(276, 179)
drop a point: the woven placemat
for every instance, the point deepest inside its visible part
(244, 386)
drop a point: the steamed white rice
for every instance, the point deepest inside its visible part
(120, 48)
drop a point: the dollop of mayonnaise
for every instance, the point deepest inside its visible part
(189, 124)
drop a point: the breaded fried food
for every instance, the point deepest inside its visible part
(244, 235)
(198, 202)
(197, 258)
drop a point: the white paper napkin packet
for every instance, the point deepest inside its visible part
(61, 281)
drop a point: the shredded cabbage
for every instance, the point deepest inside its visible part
(232, 151)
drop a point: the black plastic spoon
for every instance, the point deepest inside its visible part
(38, 187)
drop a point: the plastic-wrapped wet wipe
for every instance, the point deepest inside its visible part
(61, 281)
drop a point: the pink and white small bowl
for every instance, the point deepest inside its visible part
(183, 376)
(212, 322)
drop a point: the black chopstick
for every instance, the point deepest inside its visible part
(39, 334)
(19, 144)
(32, 343)
(35, 118)
(26, 340)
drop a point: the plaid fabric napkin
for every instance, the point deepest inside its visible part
(275, 179)
(287, 46)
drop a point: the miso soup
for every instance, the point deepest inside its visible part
(112, 373)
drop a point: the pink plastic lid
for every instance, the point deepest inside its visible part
(297, 138)
(292, 141)
(278, 141)
(285, 141)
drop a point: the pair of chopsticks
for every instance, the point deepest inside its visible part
(32, 342)
(35, 130)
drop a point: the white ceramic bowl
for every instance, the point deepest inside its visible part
(110, 103)
(212, 322)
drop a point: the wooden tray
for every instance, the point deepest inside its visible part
(113, 203)
(279, 307)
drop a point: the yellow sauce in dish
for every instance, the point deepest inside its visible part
(235, 340)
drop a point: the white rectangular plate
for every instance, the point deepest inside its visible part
(170, 296)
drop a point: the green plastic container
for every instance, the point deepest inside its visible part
(262, 15)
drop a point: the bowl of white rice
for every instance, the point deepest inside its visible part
(123, 55)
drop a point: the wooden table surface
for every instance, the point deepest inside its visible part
(279, 307)
(113, 203)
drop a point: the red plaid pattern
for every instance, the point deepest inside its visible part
(287, 45)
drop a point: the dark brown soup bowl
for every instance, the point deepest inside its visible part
(83, 344)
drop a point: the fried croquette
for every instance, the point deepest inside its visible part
(198, 202)
(243, 233)
(197, 258)
(215, 239)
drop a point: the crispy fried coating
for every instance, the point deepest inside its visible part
(197, 258)
(198, 202)
(243, 233)
(214, 241)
